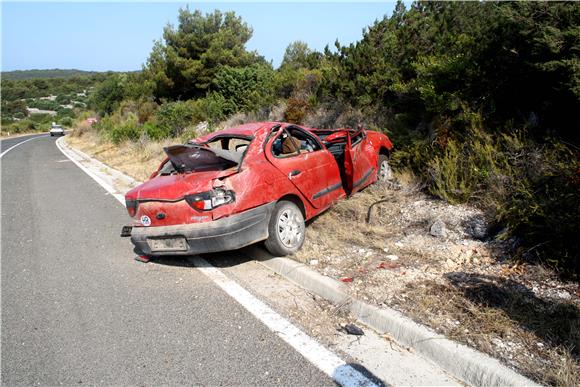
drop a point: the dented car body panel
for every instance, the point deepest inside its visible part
(218, 191)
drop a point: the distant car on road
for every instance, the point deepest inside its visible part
(56, 130)
(255, 182)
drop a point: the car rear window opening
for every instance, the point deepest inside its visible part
(195, 158)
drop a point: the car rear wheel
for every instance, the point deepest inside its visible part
(286, 229)
(385, 173)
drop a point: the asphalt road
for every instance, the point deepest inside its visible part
(77, 309)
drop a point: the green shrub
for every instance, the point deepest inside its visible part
(214, 107)
(65, 112)
(21, 126)
(66, 121)
(245, 89)
(128, 131)
(63, 99)
(531, 190)
(146, 110)
(541, 205)
(43, 104)
(41, 118)
(154, 132)
(174, 117)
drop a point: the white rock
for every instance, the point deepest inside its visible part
(392, 257)
(438, 229)
(314, 262)
(564, 295)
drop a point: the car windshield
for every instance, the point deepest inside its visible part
(197, 158)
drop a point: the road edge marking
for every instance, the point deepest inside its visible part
(324, 359)
(318, 355)
(20, 143)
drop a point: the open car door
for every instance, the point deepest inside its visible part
(359, 153)
(307, 164)
(358, 166)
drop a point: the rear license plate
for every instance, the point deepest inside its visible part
(168, 244)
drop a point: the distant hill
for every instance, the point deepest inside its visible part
(52, 73)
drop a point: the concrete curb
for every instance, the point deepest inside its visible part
(465, 363)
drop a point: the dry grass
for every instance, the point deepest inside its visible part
(136, 159)
(500, 317)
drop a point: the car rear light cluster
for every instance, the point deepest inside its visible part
(131, 206)
(206, 201)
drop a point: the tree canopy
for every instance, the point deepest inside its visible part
(184, 63)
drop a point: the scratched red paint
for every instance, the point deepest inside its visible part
(311, 175)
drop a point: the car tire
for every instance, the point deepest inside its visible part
(286, 230)
(385, 173)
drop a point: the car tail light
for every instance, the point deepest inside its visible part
(206, 201)
(131, 206)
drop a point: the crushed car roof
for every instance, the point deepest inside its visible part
(246, 130)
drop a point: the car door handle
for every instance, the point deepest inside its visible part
(294, 173)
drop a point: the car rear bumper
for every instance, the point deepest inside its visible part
(230, 233)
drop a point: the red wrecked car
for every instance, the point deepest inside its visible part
(255, 182)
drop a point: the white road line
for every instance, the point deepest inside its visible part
(322, 358)
(315, 353)
(20, 143)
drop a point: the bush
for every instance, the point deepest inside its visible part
(128, 131)
(174, 117)
(41, 118)
(66, 121)
(215, 108)
(21, 126)
(531, 190)
(65, 112)
(245, 89)
(296, 110)
(541, 205)
(44, 104)
(154, 132)
(146, 110)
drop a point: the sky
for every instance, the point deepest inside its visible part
(119, 36)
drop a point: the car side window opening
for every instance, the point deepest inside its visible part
(292, 142)
(356, 138)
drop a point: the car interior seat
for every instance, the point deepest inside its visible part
(290, 145)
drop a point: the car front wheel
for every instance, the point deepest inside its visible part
(286, 229)
(385, 173)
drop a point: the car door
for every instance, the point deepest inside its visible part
(311, 168)
(359, 166)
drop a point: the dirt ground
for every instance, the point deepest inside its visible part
(435, 262)
(438, 264)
